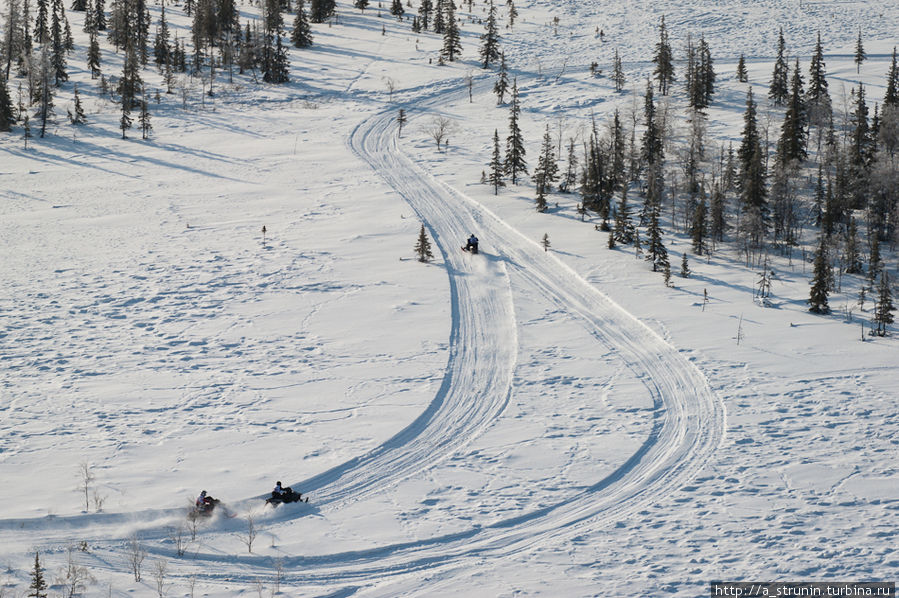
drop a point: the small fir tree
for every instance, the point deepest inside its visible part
(663, 60)
(779, 90)
(515, 162)
(617, 72)
(401, 122)
(78, 117)
(495, 177)
(684, 266)
(742, 75)
(452, 43)
(490, 52)
(396, 9)
(502, 80)
(820, 278)
(38, 587)
(301, 36)
(544, 242)
(423, 246)
(883, 308)
(860, 54)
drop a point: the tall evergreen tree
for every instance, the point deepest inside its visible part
(860, 54)
(742, 75)
(439, 17)
(452, 43)
(547, 171)
(779, 90)
(617, 72)
(624, 230)
(818, 96)
(820, 278)
(396, 8)
(495, 177)
(791, 147)
(360, 4)
(301, 36)
(699, 226)
(502, 80)
(515, 162)
(93, 55)
(852, 258)
(651, 152)
(656, 252)
(883, 307)
(58, 43)
(891, 98)
(423, 246)
(424, 14)
(321, 10)
(490, 39)
(6, 113)
(663, 60)
(144, 118)
(45, 90)
(38, 585)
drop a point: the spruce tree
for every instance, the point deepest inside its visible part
(860, 54)
(617, 72)
(717, 213)
(38, 587)
(78, 117)
(301, 36)
(652, 141)
(818, 96)
(452, 43)
(423, 246)
(45, 90)
(439, 17)
(852, 257)
(891, 97)
(699, 226)
(490, 39)
(144, 118)
(495, 177)
(401, 121)
(515, 162)
(742, 75)
(502, 80)
(6, 113)
(779, 90)
(624, 230)
(663, 60)
(547, 171)
(656, 252)
(396, 8)
(883, 307)
(684, 266)
(320, 10)
(820, 278)
(791, 147)
(424, 14)
(360, 4)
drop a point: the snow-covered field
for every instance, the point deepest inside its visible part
(522, 422)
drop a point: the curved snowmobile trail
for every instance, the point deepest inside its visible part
(688, 419)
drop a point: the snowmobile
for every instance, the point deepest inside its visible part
(472, 245)
(206, 508)
(287, 496)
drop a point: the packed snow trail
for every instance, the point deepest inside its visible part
(689, 419)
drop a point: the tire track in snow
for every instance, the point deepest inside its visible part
(689, 419)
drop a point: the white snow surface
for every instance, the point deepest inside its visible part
(517, 423)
